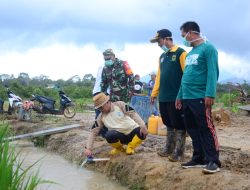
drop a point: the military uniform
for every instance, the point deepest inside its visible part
(119, 77)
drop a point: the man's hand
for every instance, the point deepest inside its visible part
(152, 99)
(209, 102)
(144, 131)
(87, 152)
(178, 104)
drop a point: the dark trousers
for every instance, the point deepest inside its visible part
(113, 136)
(171, 117)
(202, 131)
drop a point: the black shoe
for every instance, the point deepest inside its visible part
(193, 164)
(211, 168)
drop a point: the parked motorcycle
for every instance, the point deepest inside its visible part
(47, 105)
(15, 102)
(21, 109)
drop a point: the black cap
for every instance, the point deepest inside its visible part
(163, 33)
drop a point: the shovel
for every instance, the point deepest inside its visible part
(91, 159)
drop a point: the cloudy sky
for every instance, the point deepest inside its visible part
(62, 38)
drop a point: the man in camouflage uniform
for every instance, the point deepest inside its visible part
(118, 76)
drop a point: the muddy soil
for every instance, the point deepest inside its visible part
(145, 169)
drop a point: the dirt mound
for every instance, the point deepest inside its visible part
(221, 116)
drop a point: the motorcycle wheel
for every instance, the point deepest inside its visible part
(70, 111)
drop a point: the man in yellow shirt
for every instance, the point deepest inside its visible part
(168, 80)
(125, 127)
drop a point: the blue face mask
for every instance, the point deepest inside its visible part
(186, 43)
(164, 48)
(108, 62)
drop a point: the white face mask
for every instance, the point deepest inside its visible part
(188, 43)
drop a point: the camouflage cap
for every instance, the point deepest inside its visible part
(108, 52)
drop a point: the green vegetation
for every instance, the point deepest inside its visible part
(24, 86)
(227, 99)
(12, 175)
(79, 90)
(233, 95)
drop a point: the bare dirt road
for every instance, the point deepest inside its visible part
(145, 169)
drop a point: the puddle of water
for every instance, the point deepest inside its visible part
(69, 176)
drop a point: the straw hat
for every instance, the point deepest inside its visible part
(100, 99)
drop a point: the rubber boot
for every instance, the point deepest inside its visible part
(117, 148)
(170, 144)
(178, 154)
(136, 141)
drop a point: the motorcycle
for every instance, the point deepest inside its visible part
(21, 109)
(15, 102)
(47, 105)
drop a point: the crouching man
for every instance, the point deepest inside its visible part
(124, 126)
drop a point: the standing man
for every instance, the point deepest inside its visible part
(151, 83)
(118, 76)
(196, 96)
(138, 88)
(168, 80)
(97, 86)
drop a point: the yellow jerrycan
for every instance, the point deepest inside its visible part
(153, 125)
(162, 129)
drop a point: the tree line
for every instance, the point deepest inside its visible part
(24, 86)
(77, 87)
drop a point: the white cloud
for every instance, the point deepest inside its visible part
(56, 61)
(64, 61)
(234, 65)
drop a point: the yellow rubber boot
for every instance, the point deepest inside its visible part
(117, 148)
(136, 141)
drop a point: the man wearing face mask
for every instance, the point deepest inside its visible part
(168, 80)
(118, 76)
(196, 97)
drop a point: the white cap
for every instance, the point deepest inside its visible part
(153, 73)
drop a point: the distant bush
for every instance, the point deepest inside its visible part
(227, 99)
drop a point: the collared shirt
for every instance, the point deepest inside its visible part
(169, 74)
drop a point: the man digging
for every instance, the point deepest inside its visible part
(124, 126)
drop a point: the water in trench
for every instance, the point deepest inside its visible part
(68, 176)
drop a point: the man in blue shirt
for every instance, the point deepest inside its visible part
(151, 83)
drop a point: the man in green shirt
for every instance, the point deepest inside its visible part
(196, 97)
(168, 80)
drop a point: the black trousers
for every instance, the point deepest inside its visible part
(202, 131)
(171, 117)
(113, 136)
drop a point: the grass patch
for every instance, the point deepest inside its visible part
(12, 174)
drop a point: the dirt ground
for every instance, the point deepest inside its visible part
(145, 169)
